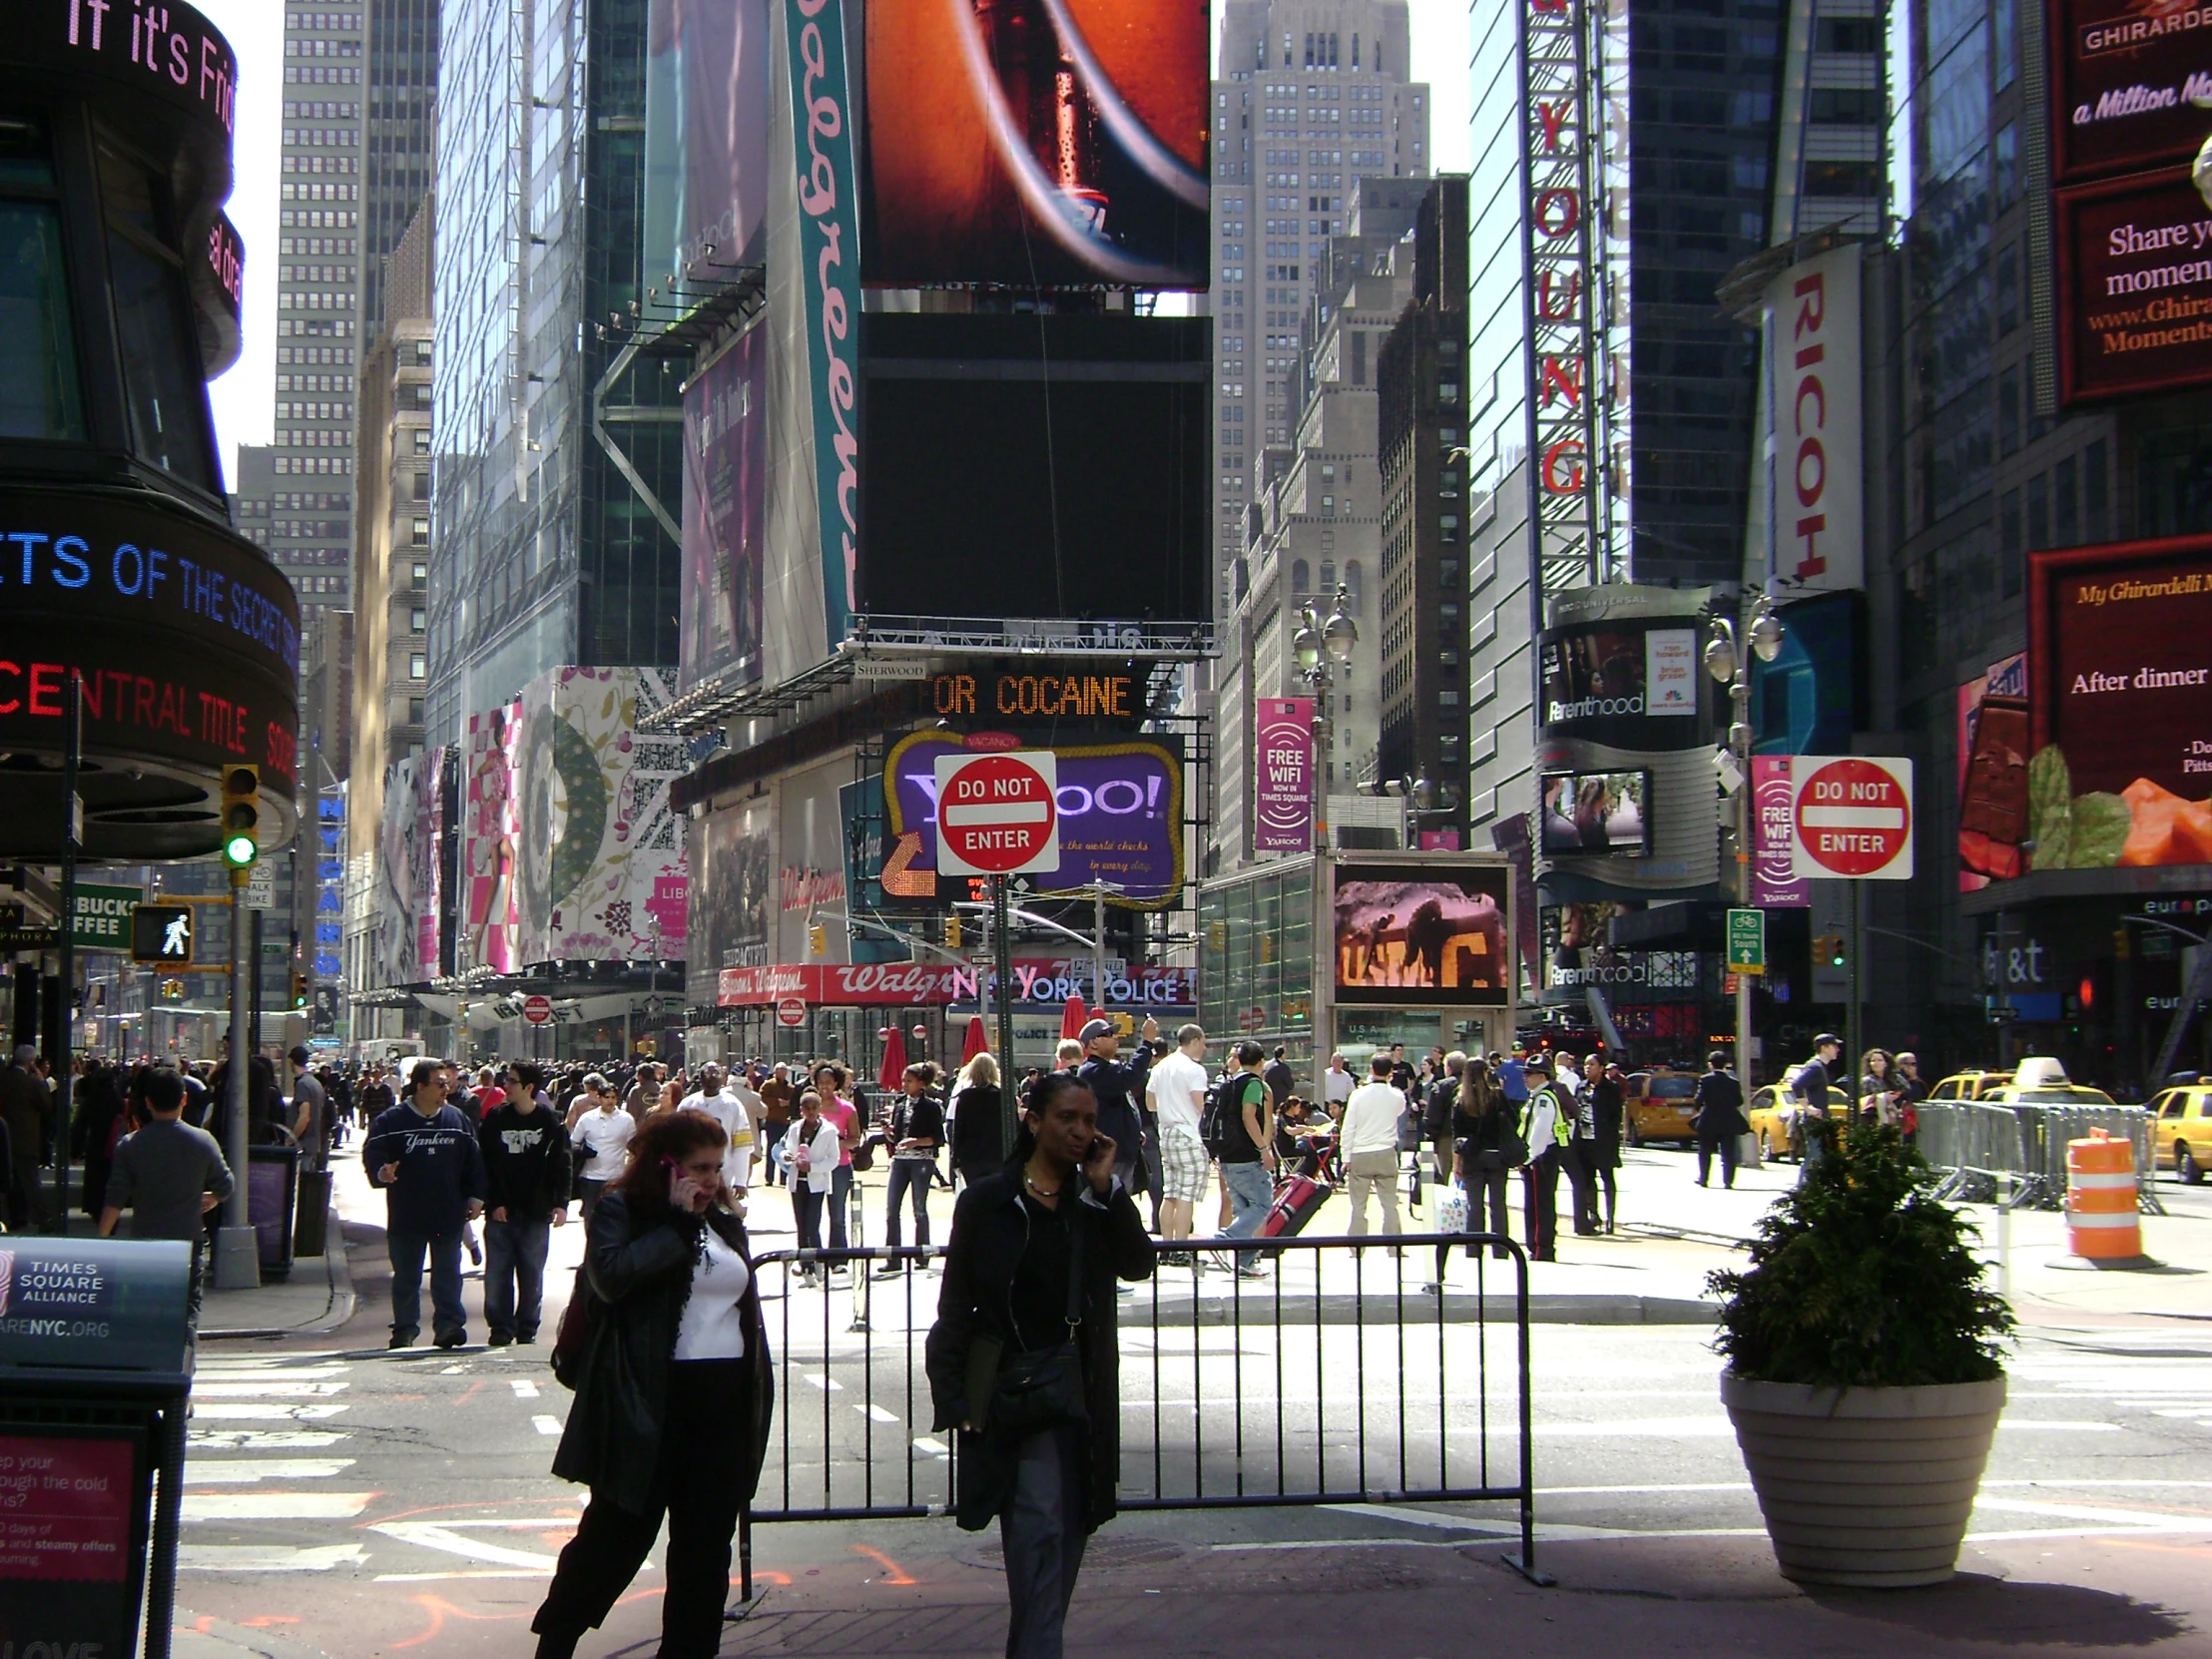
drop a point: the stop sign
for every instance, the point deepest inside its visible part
(997, 814)
(1851, 817)
(537, 1009)
(790, 1010)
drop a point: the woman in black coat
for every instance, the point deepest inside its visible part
(978, 1144)
(1053, 1218)
(1481, 1125)
(674, 1392)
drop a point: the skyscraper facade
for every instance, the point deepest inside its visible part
(1311, 99)
(559, 453)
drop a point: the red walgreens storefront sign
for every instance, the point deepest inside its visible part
(927, 985)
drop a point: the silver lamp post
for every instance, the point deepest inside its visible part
(1730, 667)
(1319, 647)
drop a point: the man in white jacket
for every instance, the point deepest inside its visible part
(1370, 1132)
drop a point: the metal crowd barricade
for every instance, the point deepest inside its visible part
(1342, 1375)
(2016, 1155)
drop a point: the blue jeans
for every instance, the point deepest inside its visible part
(840, 1196)
(909, 1175)
(446, 1312)
(1251, 1191)
(514, 1276)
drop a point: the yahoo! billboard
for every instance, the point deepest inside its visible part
(1120, 811)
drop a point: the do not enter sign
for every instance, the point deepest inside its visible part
(790, 1012)
(537, 1009)
(998, 815)
(1852, 815)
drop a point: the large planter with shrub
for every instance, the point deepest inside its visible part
(1864, 1374)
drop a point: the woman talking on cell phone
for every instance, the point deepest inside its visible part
(672, 1391)
(1023, 1359)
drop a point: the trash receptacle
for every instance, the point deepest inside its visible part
(272, 1197)
(311, 1214)
(95, 1372)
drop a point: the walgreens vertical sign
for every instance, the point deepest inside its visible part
(822, 140)
(1816, 467)
(1282, 782)
(1563, 393)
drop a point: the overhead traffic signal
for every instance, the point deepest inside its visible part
(1828, 951)
(952, 932)
(817, 938)
(299, 990)
(242, 815)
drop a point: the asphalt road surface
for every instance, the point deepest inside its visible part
(357, 1502)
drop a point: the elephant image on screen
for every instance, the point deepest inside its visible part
(1422, 936)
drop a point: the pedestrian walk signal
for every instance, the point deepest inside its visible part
(162, 933)
(242, 815)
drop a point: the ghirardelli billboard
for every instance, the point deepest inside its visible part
(2134, 286)
(2129, 84)
(2119, 771)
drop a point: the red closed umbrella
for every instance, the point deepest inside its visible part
(895, 1060)
(1074, 1018)
(977, 1042)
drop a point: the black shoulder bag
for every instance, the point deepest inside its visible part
(1015, 1395)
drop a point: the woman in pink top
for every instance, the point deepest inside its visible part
(829, 1081)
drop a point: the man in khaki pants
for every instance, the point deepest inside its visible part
(1370, 1132)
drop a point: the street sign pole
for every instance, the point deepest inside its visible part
(72, 746)
(238, 1255)
(1854, 981)
(1002, 955)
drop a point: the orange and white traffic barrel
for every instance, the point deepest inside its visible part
(2101, 1219)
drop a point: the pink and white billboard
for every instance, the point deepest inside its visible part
(1774, 878)
(1282, 782)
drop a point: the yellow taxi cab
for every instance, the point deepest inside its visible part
(2181, 1131)
(2042, 1081)
(1969, 1085)
(1769, 1122)
(1656, 1106)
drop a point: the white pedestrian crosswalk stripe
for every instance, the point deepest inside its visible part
(266, 1557)
(218, 1506)
(227, 1411)
(260, 1439)
(547, 1424)
(524, 1389)
(204, 1472)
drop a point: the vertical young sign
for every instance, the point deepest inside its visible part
(1566, 459)
(1283, 790)
(821, 110)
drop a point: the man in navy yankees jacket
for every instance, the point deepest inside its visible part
(423, 1153)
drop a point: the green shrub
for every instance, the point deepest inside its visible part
(1860, 1277)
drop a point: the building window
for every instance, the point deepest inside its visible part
(422, 532)
(166, 399)
(2093, 501)
(418, 666)
(1351, 586)
(414, 711)
(2039, 513)
(2008, 543)
(38, 354)
(2066, 503)
(422, 440)
(419, 576)
(419, 620)
(1328, 576)
(1300, 576)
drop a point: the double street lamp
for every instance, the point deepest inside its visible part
(1730, 666)
(1319, 646)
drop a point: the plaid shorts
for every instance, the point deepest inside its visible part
(1183, 1167)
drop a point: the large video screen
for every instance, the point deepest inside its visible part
(1422, 936)
(1624, 682)
(2134, 287)
(2126, 80)
(1037, 143)
(2119, 771)
(1597, 814)
(1035, 466)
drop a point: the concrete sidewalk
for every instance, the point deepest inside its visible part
(1142, 1593)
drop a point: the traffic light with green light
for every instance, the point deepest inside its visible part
(242, 815)
(1828, 950)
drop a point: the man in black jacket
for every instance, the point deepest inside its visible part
(526, 1173)
(1719, 1119)
(1119, 1091)
(426, 1158)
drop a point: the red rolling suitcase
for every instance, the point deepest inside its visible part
(1297, 1199)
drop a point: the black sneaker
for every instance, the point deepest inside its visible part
(500, 1339)
(403, 1339)
(525, 1338)
(450, 1339)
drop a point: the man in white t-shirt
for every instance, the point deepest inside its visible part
(1176, 1089)
(736, 1121)
(1338, 1084)
(603, 1134)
